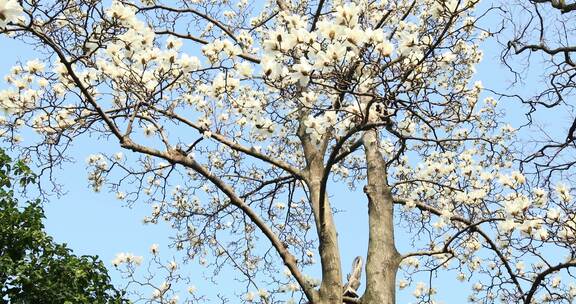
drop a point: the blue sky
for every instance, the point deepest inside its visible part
(97, 223)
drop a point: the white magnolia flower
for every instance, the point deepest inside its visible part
(126, 257)
(543, 234)
(461, 277)
(287, 272)
(244, 69)
(154, 249)
(385, 48)
(250, 296)
(120, 11)
(518, 177)
(189, 63)
(34, 66)
(507, 225)
(120, 195)
(118, 156)
(10, 10)
(520, 267)
(563, 192)
(347, 14)
(192, 289)
(174, 300)
(149, 130)
(173, 43)
(540, 196)
(302, 72)
(172, 265)
(293, 287)
(420, 290)
(572, 290)
(556, 282)
(553, 214)
(263, 293)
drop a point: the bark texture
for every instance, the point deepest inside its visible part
(331, 287)
(383, 258)
(330, 291)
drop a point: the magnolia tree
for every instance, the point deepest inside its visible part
(543, 35)
(238, 120)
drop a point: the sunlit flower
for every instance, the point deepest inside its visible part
(477, 287)
(154, 249)
(120, 195)
(192, 289)
(263, 293)
(10, 10)
(172, 265)
(563, 192)
(250, 296)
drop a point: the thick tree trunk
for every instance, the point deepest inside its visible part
(331, 287)
(383, 259)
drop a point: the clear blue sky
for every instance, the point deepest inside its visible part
(97, 223)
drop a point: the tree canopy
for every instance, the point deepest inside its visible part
(33, 268)
(239, 121)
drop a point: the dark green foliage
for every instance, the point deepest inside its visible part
(34, 269)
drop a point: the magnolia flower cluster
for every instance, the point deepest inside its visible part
(134, 53)
(99, 165)
(251, 296)
(533, 215)
(462, 185)
(27, 87)
(220, 49)
(422, 290)
(164, 284)
(127, 258)
(338, 38)
(294, 56)
(10, 12)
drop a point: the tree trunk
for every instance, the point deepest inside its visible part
(331, 287)
(383, 259)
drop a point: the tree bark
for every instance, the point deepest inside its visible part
(330, 291)
(331, 287)
(383, 258)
